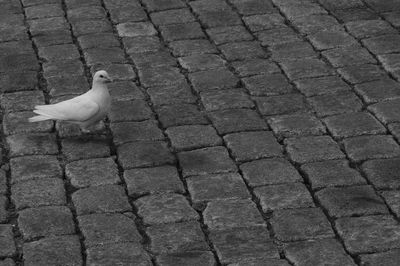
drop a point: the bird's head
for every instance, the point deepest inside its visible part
(101, 76)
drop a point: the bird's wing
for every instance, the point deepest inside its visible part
(76, 109)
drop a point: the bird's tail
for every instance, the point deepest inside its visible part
(38, 118)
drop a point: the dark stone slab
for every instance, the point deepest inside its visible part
(369, 28)
(232, 213)
(144, 153)
(213, 79)
(346, 56)
(267, 84)
(193, 137)
(362, 73)
(31, 167)
(206, 161)
(7, 241)
(255, 66)
(205, 258)
(386, 111)
(377, 91)
(136, 131)
(336, 103)
(142, 181)
(264, 21)
(244, 244)
(186, 31)
(371, 147)
(306, 68)
(191, 47)
(136, 110)
(353, 124)
(100, 199)
(389, 258)
(322, 85)
(247, 146)
(269, 171)
(174, 16)
(60, 250)
(91, 27)
(45, 221)
(32, 144)
(368, 234)
(103, 229)
(221, 35)
(281, 104)
(242, 50)
(292, 50)
(199, 62)
(17, 123)
(214, 187)
(286, 126)
(180, 114)
(331, 173)
(165, 208)
(169, 95)
(351, 201)
(285, 196)
(323, 250)
(39, 192)
(92, 172)
(301, 224)
(20, 81)
(77, 149)
(176, 238)
(384, 44)
(160, 76)
(311, 149)
(225, 99)
(331, 39)
(383, 173)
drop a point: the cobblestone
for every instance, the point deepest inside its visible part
(235, 127)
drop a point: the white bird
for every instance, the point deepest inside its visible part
(85, 110)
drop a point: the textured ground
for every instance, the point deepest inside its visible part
(242, 132)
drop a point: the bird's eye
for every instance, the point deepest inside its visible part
(101, 76)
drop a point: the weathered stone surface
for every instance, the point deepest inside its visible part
(180, 114)
(371, 147)
(392, 199)
(158, 5)
(92, 172)
(346, 56)
(43, 11)
(315, 23)
(32, 144)
(221, 35)
(281, 104)
(136, 131)
(190, 47)
(292, 50)
(242, 244)
(135, 29)
(193, 137)
(175, 32)
(387, 111)
(337, 103)
(323, 250)
(296, 125)
(10, 82)
(100, 199)
(377, 91)
(165, 208)
(141, 154)
(160, 76)
(174, 94)
(21, 101)
(117, 254)
(368, 234)
(311, 149)
(331, 173)
(176, 237)
(216, 186)
(3, 209)
(45, 221)
(242, 50)
(359, 13)
(160, 58)
(369, 28)
(389, 258)
(59, 52)
(382, 44)
(232, 213)
(306, 68)
(285, 196)
(39, 192)
(322, 85)
(31, 167)
(331, 39)
(269, 171)
(236, 120)
(353, 124)
(103, 229)
(362, 73)
(206, 161)
(3, 182)
(247, 146)
(198, 62)
(349, 201)
(125, 91)
(141, 181)
(205, 258)
(214, 79)
(56, 250)
(255, 66)
(383, 173)
(172, 17)
(277, 36)
(301, 224)
(7, 241)
(264, 21)
(78, 149)
(266, 84)
(136, 110)
(92, 40)
(16, 123)
(91, 26)
(7, 262)
(225, 99)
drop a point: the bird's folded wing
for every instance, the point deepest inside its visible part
(70, 110)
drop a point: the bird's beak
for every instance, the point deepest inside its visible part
(109, 80)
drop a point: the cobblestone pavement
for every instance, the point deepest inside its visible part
(242, 132)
